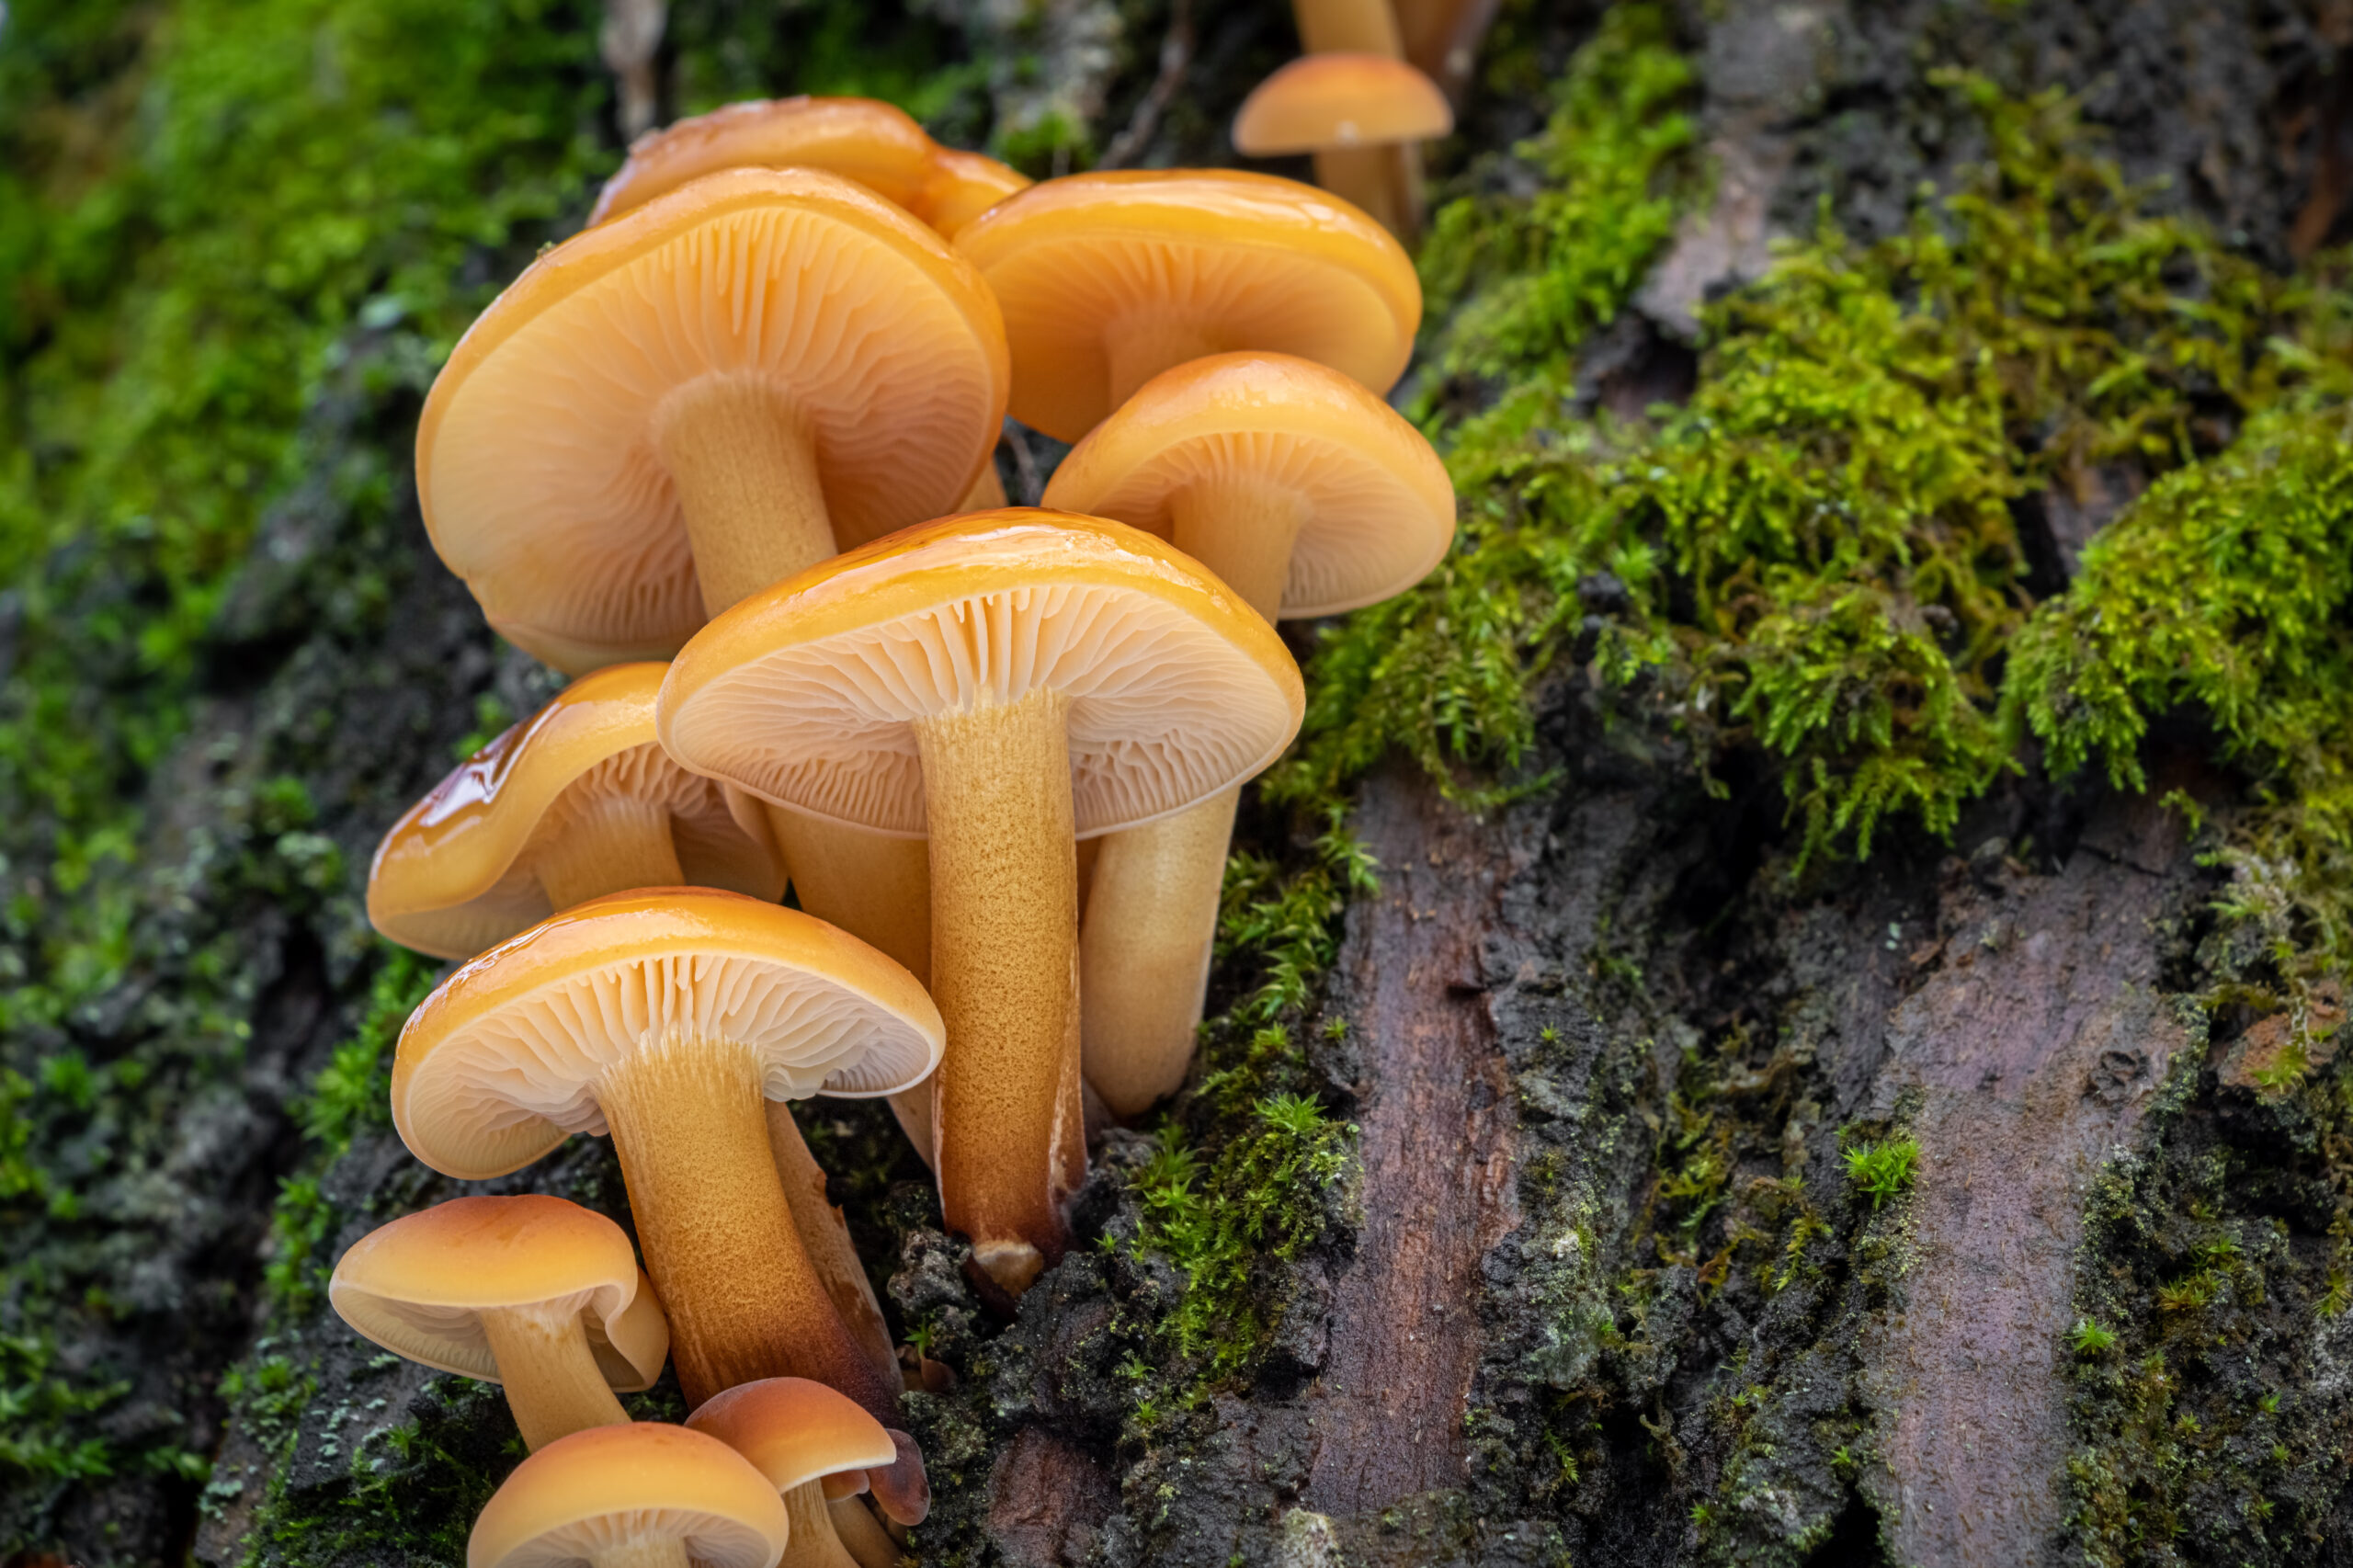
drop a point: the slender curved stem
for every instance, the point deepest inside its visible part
(825, 1236)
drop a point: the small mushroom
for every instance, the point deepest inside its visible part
(642, 1495)
(538, 1295)
(961, 186)
(1307, 495)
(695, 400)
(1107, 279)
(666, 1018)
(815, 1448)
(577, 801)
(997, 684)
(876, 145)
(1362, 116)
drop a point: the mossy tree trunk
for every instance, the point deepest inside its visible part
(1591, 1178)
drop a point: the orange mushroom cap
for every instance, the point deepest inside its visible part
(795, 1431)
(1215, 259)
(419, 1285)
(612, 1488)
(498, 1065)
(805, 695)
(536, 459)
(876, 145)
(964, 186)
(1340, 100)
(1378, 509)
(458, 870)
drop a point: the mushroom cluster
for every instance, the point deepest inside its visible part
(727, 457)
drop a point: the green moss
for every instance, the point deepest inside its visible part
(1817, 558)
(1881, 1171)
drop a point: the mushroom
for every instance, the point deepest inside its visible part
(961, 186)
(998, 683)
(876, 145)
(577, 801)
(642, 1495)
(1307, 495)
(815, 1448)
(1360, 115)
(1107, 279)
(694, 400)
(536, 1294)
(666, 1017)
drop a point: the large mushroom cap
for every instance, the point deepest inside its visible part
(500, 1064)
(1340, 100)
(805, 694)
(537, 462)
(961, 186)
(611, 1488)
(459, 871)
(1378, 507)
(1232, 260)
(795, 1431)
(420, 1285)
(876, 145)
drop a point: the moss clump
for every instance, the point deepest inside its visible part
(2225, 592)
(1818, 557)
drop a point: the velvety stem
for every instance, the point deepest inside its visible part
(1365, 177)
(1346, 26)
(826, 1237)
(613, 844)
(549, 1373)
(1004, 974)
(1244, 530)
(746, 476)
(689, 1122)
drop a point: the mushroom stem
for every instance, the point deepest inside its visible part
(1004, 974)
(987, 491)
(612, 845)
(743, 1300)
(812, 1543)
(1346, 26)
(1364, 178)
(1152, 907)
(826, 1237)
(550, 1376)
(1145, 951)
(859, 1532)
(1139, 348)
(746, 476)
(643, 1552)
(878, 888)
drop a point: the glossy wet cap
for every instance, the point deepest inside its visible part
(418, 1286)
(876, 145)
(1378, 509)
(609, 1488)
(536, 459)
(1322, 101)
(961, 186)
(795, 1431)
(459, 871)
(499, 1064)
(806, 693)
(1240, 260)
